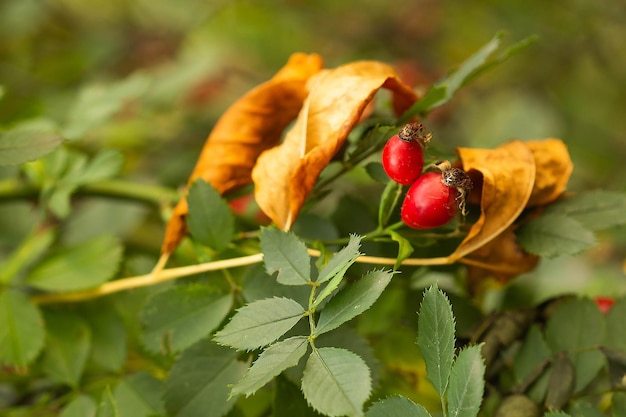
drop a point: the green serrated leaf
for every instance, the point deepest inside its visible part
(68, 341)
(352, 301)
(108, 336)
(177, 318)
(336, 268)
(24, 143)
(21, 332)
(79, 267)
(405, 249)
(104, 165)
(257, 285)
(81, 406)
(388, 202)
(285, 253)
(29, 251)
(560, 383)
(585, 409)
(555, 235)
(618, 404)
(96, 104)
(530, 363)
(107, 406)
(574, 325)
(467, 384)
(443, 90)
(336, 382)
(346, 337)
(198, 383)
(435, 337)
(210, 220)
(595, 210)
(376, 172)
(396, 407)
(341, 261)
(260, 323)
(275, 359)
(139, 395)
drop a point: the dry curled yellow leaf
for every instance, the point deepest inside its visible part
(508, 176)
(554, 168)
(251, 125)
(285, 175)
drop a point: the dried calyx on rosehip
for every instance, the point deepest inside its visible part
(436, 197)
(403, 154)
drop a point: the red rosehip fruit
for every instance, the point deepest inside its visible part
(429, 202)
(604, 303)
(403, 159)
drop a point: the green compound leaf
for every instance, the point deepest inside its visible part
(107, 406)
(467, 384)
(285, 253)
(352, 301)
(210, 220)
(336, 382)
(139, 395)
(270, 363)
(79, 267)
(595, 210)
(177, 318)
(68, 342)
(260, 323)
(396, 407)
(198, 383)
(27, 143)
(577, 325)
(80, 406)
(555, 235)
(435, 337)
(21, 329)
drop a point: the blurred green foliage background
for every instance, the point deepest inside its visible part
(189, 59)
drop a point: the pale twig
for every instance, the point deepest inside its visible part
(159, 275)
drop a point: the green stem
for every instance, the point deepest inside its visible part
(311, 313)
(14, 189)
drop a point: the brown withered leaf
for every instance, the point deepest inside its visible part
(285, 175)
(502, 258)
(508, 176)
(554, 168)
(251, 125)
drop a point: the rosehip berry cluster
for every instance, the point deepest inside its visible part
(434, 197)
